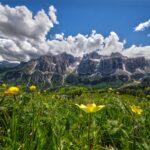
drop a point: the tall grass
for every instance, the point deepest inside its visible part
(51, 121)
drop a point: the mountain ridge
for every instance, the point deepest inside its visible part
(92, 68)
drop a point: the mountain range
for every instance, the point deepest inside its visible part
(92, 68)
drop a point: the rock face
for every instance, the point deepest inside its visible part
(110, 65)
(101, 64)
(57, 64)
(87, 67)
(46, 70)
(91, 69)
(116, 65)
(135, 63)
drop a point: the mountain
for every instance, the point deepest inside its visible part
(46, 70)
(6, 65)
(116, 66)
(92, 68)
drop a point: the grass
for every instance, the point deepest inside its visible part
(52, 121)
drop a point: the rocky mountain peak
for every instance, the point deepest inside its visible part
(117, 54)
(58, 69)
(92, 55)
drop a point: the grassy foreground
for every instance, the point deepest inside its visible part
(52, 121)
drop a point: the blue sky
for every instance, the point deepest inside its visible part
(104, 16)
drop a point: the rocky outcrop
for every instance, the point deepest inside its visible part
(91, 69)
(132, 64)
(46, 70)
(116, 65)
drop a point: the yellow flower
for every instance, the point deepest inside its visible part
(136, 109)
(39, 93)
(90, 108)
(12, 91)
(110, 89)
(32, 88)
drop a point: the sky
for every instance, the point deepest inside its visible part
(31, 28)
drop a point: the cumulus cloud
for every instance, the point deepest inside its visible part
(23, 37)
(1, 59)
(112, 44)
(52, 14)
(142, 26)
(76, 45)
(80, 44)
(139, 51)
(19, 22)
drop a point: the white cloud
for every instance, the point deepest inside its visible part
(23, 37)
(135, 51)
(20, 23)
(1, 59)
(52, 12)
(76, 45)
(112, 43)
(142, 26)
(80, 44)
(59, 36)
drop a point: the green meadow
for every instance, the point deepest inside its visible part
(51, 120)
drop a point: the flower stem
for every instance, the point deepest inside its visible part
(14, 126)
(134, 134)
(89, 130)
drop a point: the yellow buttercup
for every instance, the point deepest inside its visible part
(136, 109)
(90, 108)
(32, 88)
(12, 91)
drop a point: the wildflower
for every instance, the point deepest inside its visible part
(12, 91)
(32, 88)
(110, 89)
(110, 148)
(136, 109)
(90, 108)
(39, 93)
